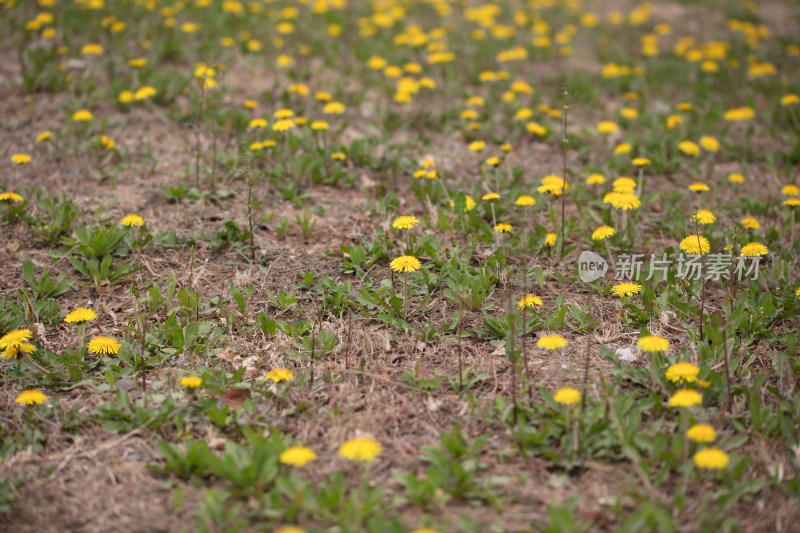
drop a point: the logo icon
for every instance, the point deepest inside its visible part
(591, 266)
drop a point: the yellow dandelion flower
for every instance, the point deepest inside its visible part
(790, 190)
(299, 88)
(13, 352)
(673, 120)
(143, 93)
(792, 202)
(790, 99)
(20, 159)
(555, 181)
(469, 205)
(607, 126)
(739, 114)
(567, 396)
(91, 49)
(191, 382)
(80, 315)
(626, 288)
(405, 263)
(688, 148)
(104, 345)
(503, 227)
(536, 129)
(602, 232)
(360, 449)
(710, 144)
(682, 372)
(31, 396)
(477, 146)
(279, 374)
(490, 196)
(283, 124)
(283, 113)
(685, 398)
(525, 200)
(46, 134)
(339, 156)
(82, 115)
(551, 342)
(624, 201)
(552, 188)
(550, 239)
(189, 27)
(753, 249)
(105, 141)
(333, 108)
(640, 161)
(132, 220)
(377, 63)
(258, 122)
(705, 217)
(523, 113)
(624, 184)
(125, 97)
(622, 148)
(10, 197)
(297, 456)
(405, 222)
(653, 343)
(698, 187)
(711, 459)
(629, 113)
(750, 223)
(595, 179)
(529, 300)
(701, 433)
(15, 338)
(735, 178)
(319, 125)
(695, 244)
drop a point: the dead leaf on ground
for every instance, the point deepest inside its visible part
(235, 397)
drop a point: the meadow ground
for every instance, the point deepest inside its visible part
(318, 266)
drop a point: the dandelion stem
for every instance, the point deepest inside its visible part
(197, 133)
(511, 353)
(81, 339)
(727, 367)
(405, 294)
(564, 142)
(34, 363)
(608, 253)
(585, 380)
(703, 275)
(639, 184)
(732, 287)
(349, 338)
(494, 223)
(313, 355)
(460, 350)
